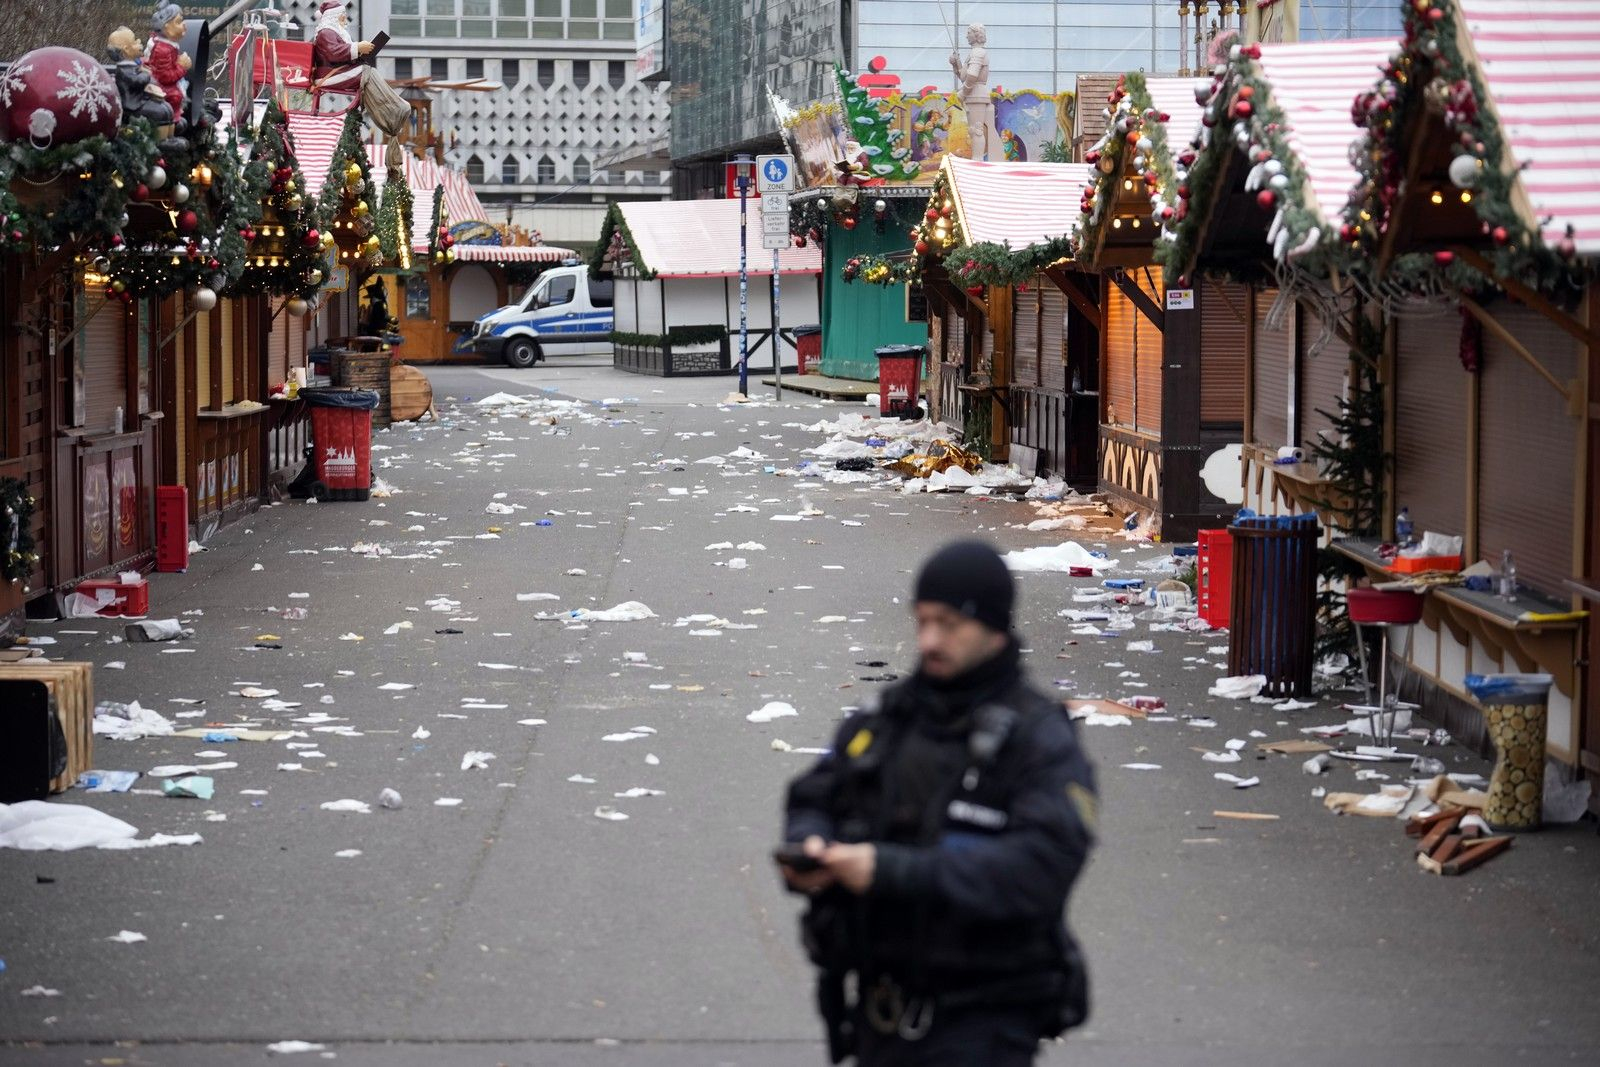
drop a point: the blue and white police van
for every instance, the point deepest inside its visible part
(564, 312)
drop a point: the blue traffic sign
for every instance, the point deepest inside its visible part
(775, 174)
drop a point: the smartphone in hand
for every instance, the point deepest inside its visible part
(793, 856)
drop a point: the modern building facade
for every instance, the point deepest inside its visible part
(723, 56)
(571, 99)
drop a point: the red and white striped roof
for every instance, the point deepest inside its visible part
(700, 239)
(315, 137)
(1313, 84)
(1540, 61)
(1174, 97)
(1016, 204)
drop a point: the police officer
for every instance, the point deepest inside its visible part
(938, 841)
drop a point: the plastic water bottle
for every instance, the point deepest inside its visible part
(1508, 576)
(1402, 527)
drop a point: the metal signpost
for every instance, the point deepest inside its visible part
(741, 168)
(775, 181)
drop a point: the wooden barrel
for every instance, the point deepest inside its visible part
(366, 370)
(411, 394)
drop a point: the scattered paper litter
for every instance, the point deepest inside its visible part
(360, 807)
(1235, 781)
(776, 709)
(127, 937)
(396, 687)
(134, 722)
(348, 853)
(1057, 558)
(476, 761)
(289, 1048)
(40, 826)
(605, 811)
(40, 991)
(447, 802)
(1242, 687)
(1141, 766)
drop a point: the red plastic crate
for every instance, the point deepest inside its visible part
(129, 598)
(1215, 577)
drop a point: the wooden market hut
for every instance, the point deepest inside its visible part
(1478, 206)
(1267, 189)
(1171, 355)
(676, 301)
(1016, 349)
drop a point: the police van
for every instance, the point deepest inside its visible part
(565, 312)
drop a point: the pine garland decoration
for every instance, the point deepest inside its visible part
(440, 243)
(1134, 145)
(617, 246)
(395, 222)
(101, 175)
(16, 530)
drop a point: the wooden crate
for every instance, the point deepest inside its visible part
(72, 687)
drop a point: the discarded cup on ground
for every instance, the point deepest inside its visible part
(390, 799)
(1428, 765)
(1317, 764)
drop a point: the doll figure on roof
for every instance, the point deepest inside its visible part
(141, 98)
(852, 169)
(165, 58)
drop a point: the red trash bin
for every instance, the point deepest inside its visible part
(1214, 577)
(807, 347)
(341, 437)
(899, 379)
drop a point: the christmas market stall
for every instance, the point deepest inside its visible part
(1171, 355)
(1256, 231)
(1003, 353)
(1476, 218)
(676, 304)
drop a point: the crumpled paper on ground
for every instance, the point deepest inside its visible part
(630, 611)
(1242, 687)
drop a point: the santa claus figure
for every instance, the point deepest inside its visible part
(165, 58)
(335, 55)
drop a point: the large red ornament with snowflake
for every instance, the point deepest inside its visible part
(56, 96)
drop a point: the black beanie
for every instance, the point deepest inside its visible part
(972, 578)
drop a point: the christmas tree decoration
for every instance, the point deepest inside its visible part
(349, 183)
(439, 239)
(395, 215)
(873, 153)
(58, 96)
(284, 248)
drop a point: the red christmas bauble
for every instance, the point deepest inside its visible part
(1266, 198)
(1243, 109)
(1183, 192)
(141, 192)
(58, 96)
(975, 290)
(1444, 258)
(1347, 232)
(448, 242)
(848, 222)
(922, 248)
(116, 240)
(1501, 235)
(188, 221)
(313, 238)
(1246, 92)
(932, 214)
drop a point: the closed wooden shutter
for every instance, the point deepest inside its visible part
(1119, 362)
(278, 345)
(1025, 337)
(230, 351)
(955, 345)
(1224, 307)
(1322, 380)
(1053, 338)
(202, 358)
(1269, 399)
(1150, 356)
(105, 357)
(1430, 455)
(1527, 450)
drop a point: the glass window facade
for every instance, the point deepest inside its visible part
(551, 20)
(1045, 44)
(724, 53)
